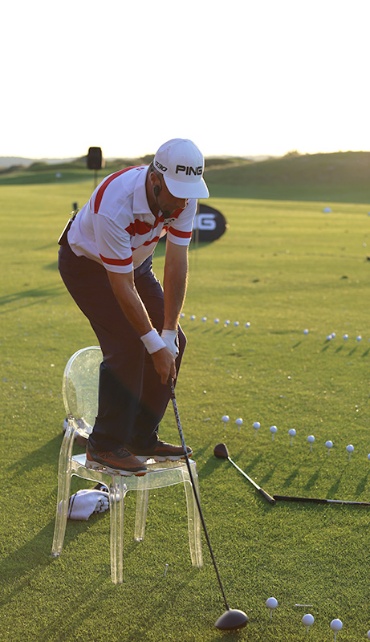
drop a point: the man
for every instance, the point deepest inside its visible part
(105, 261)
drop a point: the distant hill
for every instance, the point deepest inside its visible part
(20, 161)
(9, 161)
(341, 176)
(337, 177)
(17, 161)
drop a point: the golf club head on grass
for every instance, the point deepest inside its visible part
(221, 451)
(231, 620)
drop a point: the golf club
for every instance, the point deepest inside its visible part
(221, 452)
(287, 498)
(231, 619)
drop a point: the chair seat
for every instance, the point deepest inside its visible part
(80, 393)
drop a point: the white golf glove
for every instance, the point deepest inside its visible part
(171, 340)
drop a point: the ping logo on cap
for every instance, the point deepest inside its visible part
(161, 167)
(197, 171)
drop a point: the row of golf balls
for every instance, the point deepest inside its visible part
(330, 337)
(308, 619)
(227, 322)
(291, 432)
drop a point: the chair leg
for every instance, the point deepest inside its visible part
(64, 485)
(142, 497)
(194, 530)
(117, 492)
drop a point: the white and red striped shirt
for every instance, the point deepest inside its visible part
(117, 228)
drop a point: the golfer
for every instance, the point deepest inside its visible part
(105, 261)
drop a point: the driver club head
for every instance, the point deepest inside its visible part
(231, 620)
(221, 451)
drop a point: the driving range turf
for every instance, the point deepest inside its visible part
(283, 267)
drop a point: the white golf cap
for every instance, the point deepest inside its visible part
(181, 164)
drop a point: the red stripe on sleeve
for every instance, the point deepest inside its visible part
(116, 261)
(103, 187)
(181, 235)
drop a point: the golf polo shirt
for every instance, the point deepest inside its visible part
(117, 228)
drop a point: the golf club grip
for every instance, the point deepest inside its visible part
(265, 494)
(292, 498)
(314, 500)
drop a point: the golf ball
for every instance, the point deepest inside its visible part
(239, 421)
(225, 419)
(359, 338)
(272, 603)
(310, 439)
(217, 320)
(193, 317)
(204, 319)
(227, 322)
(350, 448)
(256, 425)
(336, 625)
(292, 432)
(368, 456)
(308, 619)
(345, 337)
(273, 430)
(305, 331)
(329, 444)
(368, 635)
(236, 323)
(247, 325)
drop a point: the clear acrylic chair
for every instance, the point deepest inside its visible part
(80, 396)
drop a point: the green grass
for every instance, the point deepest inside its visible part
(283, 266)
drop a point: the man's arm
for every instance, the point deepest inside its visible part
(124, 289)
(174, 283)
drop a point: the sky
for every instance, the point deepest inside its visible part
(239, 78)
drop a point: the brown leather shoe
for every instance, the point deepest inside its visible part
(117, 461)
(161, 451)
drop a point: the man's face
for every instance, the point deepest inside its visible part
(167, 203)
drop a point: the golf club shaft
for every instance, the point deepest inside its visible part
(314, 500)
(177, 416)
(264, 494)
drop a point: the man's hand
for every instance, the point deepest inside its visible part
(164, 364)
(171, 340)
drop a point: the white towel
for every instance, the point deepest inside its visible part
(86, 502)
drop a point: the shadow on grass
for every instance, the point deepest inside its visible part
(312, 480)
(362, 484)
(266, 478)
(211, 465)
(296, 345)
(36, 295)
(332, 492)
(48, 452)
(51, 266)
(22, 565)
(68, 623)
(289, 480)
